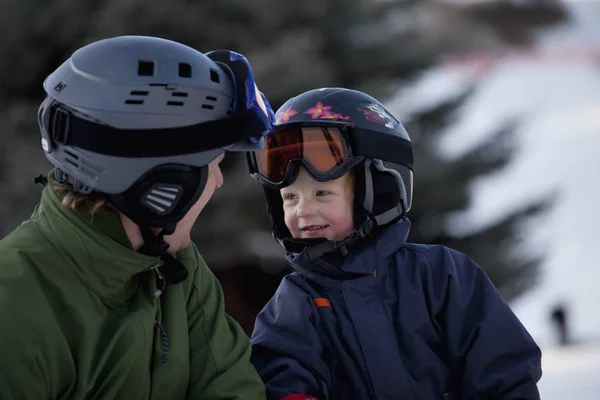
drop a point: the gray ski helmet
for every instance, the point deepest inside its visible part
(138, 119)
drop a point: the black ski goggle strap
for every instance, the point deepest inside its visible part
(388, 147)
(61, 124)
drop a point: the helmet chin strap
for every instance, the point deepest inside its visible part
(341, 246)
(154, 244)
(323, 246)
(171, 271)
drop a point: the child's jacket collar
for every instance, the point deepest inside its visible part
(358, 262)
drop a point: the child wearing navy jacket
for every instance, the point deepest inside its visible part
(367, 315)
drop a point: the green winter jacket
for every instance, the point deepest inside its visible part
(79, 319)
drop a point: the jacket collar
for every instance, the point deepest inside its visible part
(359, 261)
(95, 245)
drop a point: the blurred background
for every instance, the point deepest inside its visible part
(501, 99)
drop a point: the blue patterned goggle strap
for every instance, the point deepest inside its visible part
(247, 97)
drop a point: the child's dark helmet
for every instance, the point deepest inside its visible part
(380, 154)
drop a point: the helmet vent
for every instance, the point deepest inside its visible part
(145, 68)
(209, 106)
(162, 198)
(82, 165)
(132, 101)
(214, 75)
(177, 102)
(136, 93)
(185, 70)
(72, 158)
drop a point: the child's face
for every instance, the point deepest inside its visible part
(319, 209)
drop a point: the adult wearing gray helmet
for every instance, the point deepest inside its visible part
(102, 295)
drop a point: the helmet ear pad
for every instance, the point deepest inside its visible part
(386, 193)
(405, 178)
(383, 190)
(163, 195)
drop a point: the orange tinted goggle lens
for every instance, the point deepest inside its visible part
(321, 148)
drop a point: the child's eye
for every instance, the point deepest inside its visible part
(289, 196)
(322, 192)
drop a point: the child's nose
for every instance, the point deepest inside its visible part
(305, 209)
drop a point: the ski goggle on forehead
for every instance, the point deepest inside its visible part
(322, 148)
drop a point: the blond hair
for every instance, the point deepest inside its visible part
(73, 200)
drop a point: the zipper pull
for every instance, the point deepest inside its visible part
(160, 282)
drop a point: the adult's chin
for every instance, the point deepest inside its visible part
(177, 243)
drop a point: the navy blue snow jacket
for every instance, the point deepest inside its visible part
(393, 321)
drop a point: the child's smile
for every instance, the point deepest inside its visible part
(316, 209)
(314, 230)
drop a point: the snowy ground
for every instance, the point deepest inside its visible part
(558, 102)
(571, 373)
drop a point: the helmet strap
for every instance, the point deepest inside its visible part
(171, 271)
(341, 246)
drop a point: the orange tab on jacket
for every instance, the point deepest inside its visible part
(322, 302)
